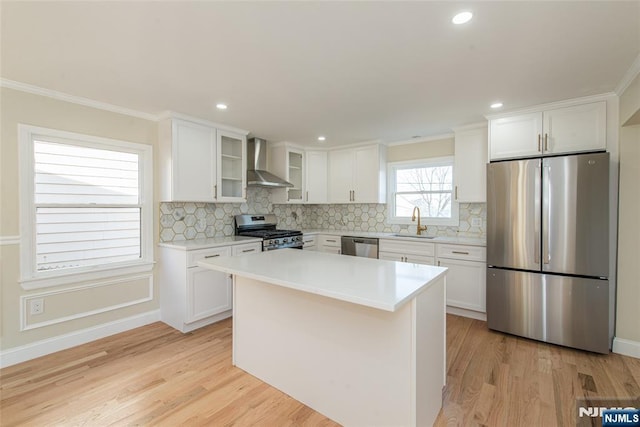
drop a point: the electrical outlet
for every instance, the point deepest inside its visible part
(36, 306)
(476, 222)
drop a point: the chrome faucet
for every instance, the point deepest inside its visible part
(421, 228)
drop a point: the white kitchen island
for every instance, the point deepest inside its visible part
(359, 340)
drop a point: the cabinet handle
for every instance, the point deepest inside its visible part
(539, 142)
(307, 196)
(211, 256)
(215, 191)
(328, 240)
(354, 195)
(460, 252)
(248, 250)
(546, 142)
(438, 263)
(456, 192)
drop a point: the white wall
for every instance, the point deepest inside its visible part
(67, 308)
(628, 301)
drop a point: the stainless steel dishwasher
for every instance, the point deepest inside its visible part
(359, 246)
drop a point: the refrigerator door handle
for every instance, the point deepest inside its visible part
(546, 212)
(536, 218)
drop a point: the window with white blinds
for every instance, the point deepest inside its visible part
(88, 203)
(87, 206)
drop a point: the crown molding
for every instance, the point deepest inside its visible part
(61, 96)
(422, 139)
(629, 76)
(472, 126)
(165, 115)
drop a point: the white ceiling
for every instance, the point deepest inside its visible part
(353, 71)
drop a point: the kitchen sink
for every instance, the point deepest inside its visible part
(414, 235)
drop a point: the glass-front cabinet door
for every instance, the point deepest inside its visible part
(295, 174)
(232, 167)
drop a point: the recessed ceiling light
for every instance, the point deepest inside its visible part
(462, 18)
(322, 138)
(496, 105)
(221, 106)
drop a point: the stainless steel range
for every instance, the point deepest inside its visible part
(264, 227)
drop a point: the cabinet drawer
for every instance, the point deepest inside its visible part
(247, 248)
(309, 242)
(406, 247)
(333, 241)
(194, 256)
(469, 253)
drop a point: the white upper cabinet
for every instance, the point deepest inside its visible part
(555, 131)
(470, 165)
(288, 163)
(574, 129)
(515, 136)
(357, 175)
(340, 176)
(316, 177)
(232, 167)
(200, 163)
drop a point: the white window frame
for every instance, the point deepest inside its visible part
(30, 277)
(391, 192)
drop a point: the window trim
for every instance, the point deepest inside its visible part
(391, 191)
(30, 278)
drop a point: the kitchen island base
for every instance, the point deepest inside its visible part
(357, 365)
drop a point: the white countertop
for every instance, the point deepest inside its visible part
(212, 242)
(385, 285)
(473, 241)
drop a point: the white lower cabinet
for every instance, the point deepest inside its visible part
(309, 243)
(208, 293)
(193, 296)
(466, 278)
(330, 244)
(405, 251)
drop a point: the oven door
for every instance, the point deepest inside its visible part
(293, 245)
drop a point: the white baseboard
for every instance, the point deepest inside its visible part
(467, 313)
(626, 347)
(30, 351)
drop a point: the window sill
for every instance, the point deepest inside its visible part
(84, 276)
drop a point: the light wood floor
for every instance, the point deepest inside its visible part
(155, 375)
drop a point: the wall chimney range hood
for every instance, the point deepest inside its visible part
(257, 175)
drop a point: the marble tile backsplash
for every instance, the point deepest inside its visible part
(188, 220)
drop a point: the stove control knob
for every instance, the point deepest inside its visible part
(285, 240)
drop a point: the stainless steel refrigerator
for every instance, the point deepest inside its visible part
(548, 249)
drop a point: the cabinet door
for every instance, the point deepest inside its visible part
(316, 174)
(295, 175)
(516, 136)
(575, 129)
(208, 293)
(466, 284)
(340, 176)
(232, 167)
(470, 166)
(366, 177)
(193, 162)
